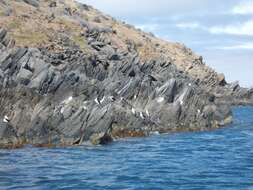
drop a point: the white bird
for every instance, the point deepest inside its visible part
(133, 110)
(141, 114)
(67, 101)
(112, 98)
(147, 112)
(96, 100)
(190, 84)
(62, 110)
(6, 119)
(181, 102)
(199, 111)
(160, 99)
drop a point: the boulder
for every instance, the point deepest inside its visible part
(221, 80)
(37, 80)
(24, 76)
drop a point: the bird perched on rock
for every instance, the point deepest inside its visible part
(6, 119)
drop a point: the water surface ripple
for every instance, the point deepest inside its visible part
(220, 159)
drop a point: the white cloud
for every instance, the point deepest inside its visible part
(245, 28)
(245, 7)
(235, 65)
(189, 25)
(242, 46)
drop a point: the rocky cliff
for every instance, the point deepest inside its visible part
(70, 74)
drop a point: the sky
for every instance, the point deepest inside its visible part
(220, 31)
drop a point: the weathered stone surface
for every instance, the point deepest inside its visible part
(34, 3)
(24, 76)
(90, 102)
(3, 33)
(8, 135)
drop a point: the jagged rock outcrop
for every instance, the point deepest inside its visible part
(97, 86)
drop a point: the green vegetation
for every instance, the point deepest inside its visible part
(81, 42)
(14, 24)
(2, 13)
(74, 31)
(69, 25)
(32, 38)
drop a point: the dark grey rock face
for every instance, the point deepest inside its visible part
(69, 97)
(34, 3)
(233, 94)
(7, 135)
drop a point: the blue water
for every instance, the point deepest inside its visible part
(220, 159)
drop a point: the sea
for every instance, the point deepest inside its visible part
(219, 159)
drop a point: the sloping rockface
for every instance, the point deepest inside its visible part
(79, 76)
